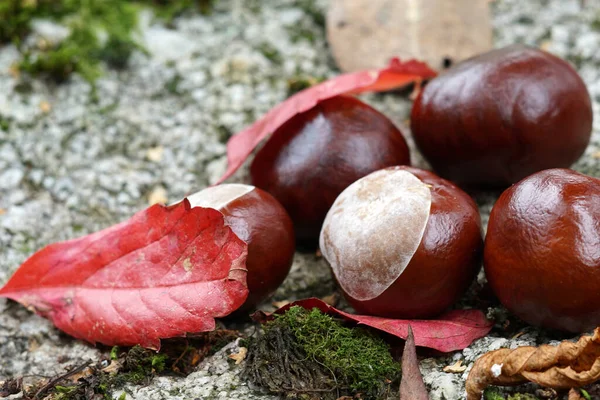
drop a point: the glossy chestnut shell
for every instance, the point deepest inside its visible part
(445, 263)
(316, 154)
(542, 250)
(258, 219)
(501, 116)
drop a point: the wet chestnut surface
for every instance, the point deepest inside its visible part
(259, 220)
(501, 116)
(542, 250)
(445, 263)
(314, 156)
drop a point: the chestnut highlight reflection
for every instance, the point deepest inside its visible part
(542, 250)
(316, 154)
(501, 116)
(403, 243)
(259, 220)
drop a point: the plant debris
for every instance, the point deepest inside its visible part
(494, 394)
(412, 386)
(396, 75)
(135, 366)
(453, 330)
(130, 284)
(307, 353)
(564, 366)
(11, 386)
(455, 368)
(99, 31)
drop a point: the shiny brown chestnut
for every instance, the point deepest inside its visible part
(403, 243)
(501, 116)
(316, 154)
(258, 219)
(542, 250)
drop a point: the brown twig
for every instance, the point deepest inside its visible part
(56, 380)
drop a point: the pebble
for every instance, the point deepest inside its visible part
(82, 167)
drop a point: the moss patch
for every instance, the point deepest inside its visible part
(134, 366)
(494, 393)
(303, 353)
(100, 32)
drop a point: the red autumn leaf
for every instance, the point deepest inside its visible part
(164, 272)
(412, 386)
(396, 75)
(453, 330)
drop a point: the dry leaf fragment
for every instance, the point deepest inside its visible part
(2, 211)
(596, 154)
(455, 368)
(575, 394)
(112, 368)
(412, 386)
(367, 33)
(564, 366)
(239, 356)
(332, 299)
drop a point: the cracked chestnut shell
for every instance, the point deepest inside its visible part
(496, 118)
(258, 219)
(403, 243)
(316, 154)
(542, 250)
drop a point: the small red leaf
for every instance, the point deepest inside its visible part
(164, 272)
(453, 330)
(412, 386)
(396, 75)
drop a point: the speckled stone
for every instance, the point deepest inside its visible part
(80, 165)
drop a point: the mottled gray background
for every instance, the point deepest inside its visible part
(69, 166)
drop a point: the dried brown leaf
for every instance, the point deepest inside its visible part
(564, 366)
(575, 394)
(240, 355)
(365, 34)
(412, 386)
(455, 368)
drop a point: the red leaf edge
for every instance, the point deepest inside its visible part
(171, 313)
(397, 74)
(451, 331)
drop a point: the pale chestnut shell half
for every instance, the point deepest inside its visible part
(219, 196)
(373, 230)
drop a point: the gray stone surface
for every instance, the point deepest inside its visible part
(71, 166)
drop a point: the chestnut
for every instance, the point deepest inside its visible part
(542, 250)
(316, 154)
(258, 219)
(403, 243)
(498, 117)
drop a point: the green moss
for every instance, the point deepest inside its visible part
(351, 360)
(100, 31)
(170, 9)
(270, 53)
(4, 123)
(16, 15)
(83, 49)
(172, 85)
(494, 393)
(114, 353)
(296, 84)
